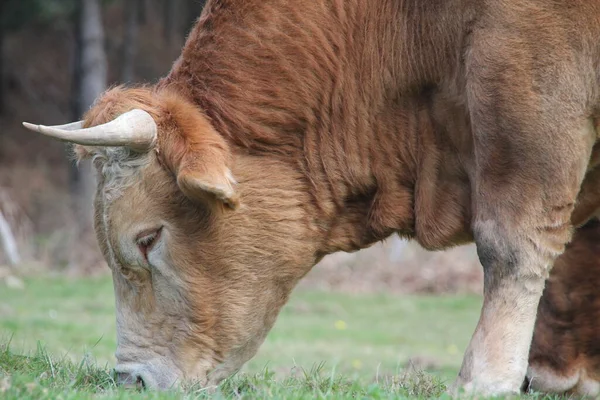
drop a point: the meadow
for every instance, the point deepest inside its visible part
(57, 339)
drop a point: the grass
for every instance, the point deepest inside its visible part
(323, 345)
(39, 377)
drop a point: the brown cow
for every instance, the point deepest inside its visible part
(288, 130)
(565, 352)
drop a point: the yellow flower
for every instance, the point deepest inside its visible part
(357, 364)
(340, 325)
(452, 349)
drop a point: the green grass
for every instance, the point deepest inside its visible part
(39, 377)
(323, 345)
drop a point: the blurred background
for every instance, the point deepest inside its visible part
(56, 57)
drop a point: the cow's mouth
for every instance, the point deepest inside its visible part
(130, 381)
(143, 376)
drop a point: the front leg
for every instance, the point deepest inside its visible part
(532, 143)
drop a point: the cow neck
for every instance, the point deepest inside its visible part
(367, 176)
(323, 105)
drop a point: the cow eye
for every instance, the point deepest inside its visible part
(146, 240)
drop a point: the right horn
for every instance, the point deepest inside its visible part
(135, 129)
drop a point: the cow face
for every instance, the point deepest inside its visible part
(201, 263)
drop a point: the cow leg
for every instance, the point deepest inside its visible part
(532, 144)
(522, 224)
(564, 355)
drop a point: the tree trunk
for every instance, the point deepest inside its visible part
(132, 8)
(89, 75)
(93, 56)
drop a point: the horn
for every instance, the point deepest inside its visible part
(135, 129)
(69, 127)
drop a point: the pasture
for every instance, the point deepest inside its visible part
(57, 338)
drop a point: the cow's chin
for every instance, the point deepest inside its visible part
(234, 362)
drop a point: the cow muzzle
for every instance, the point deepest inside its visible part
(129, 381)
(154, 375)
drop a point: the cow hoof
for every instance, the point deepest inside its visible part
(546, 380)
(470, 390)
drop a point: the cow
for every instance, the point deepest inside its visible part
(564, 352)
(289, 130)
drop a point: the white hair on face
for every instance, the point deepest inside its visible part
(118, 166)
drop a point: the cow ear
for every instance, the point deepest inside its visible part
(199, 157)
(204, 176)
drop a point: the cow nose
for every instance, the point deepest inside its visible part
(130, 381)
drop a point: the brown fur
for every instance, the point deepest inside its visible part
(566, 340)
(344, 122)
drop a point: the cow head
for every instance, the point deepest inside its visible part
(205, 244)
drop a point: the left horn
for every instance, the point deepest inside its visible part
(135, 129)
